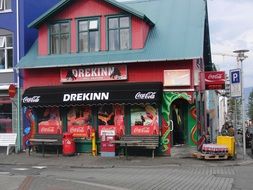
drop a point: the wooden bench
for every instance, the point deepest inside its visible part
(8, 140)
(147, 142)
(45, 140)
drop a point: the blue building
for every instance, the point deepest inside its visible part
(15, 40)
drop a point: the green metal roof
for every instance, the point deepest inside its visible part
(62, 4)
(178, 34)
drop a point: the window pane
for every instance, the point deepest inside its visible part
(2, 41)
(2, 60)
(64, 43)
(1, 4)
(94, 41)
(55, 28)
(55, 44)
(93, 25)
(113, 23)
(124, 22)
(83, 42)
(83, 25)
(8, 41)
(8, 4)
(9, 58)
(64, 27)
(124, 39)
(113, 40)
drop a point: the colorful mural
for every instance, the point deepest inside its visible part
(29, 126)
(168, 98)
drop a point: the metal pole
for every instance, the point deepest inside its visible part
(240, 58)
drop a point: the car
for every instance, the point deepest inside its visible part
(249, 137)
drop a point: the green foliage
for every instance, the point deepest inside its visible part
(250, 106)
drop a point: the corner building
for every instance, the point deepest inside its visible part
(131, 67)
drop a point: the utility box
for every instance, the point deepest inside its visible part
(107, 149)
(229, 142)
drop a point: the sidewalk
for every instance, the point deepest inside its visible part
(88, 161)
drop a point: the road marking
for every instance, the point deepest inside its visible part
(20, 169)
(39, 167)
(4, 173)
(93, 184)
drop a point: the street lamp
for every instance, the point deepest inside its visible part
(240, 58)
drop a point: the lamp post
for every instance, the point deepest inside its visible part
(240, 58)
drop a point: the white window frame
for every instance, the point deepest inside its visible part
(3, 6)
(5, 48)
(2, 41)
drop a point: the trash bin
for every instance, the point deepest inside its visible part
(68, 144)
(229, 142)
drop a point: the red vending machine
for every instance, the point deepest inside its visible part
(107, 149)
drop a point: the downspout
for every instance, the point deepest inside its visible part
(18, 83)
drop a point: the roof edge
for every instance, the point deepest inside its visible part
(63, 3)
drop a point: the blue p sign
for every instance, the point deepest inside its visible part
(235, 76)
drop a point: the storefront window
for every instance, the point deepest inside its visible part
(111, 119)
(80, 121)
(49, 121)
(144, 120)
(5, 115)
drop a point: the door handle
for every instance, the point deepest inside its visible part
(172, 125)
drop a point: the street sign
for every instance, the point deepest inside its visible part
(235, 83)
(12, 90)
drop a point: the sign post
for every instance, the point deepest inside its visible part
(235, 83)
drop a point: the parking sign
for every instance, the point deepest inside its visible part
(235, 83)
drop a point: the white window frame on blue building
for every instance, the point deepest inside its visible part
(5, 5)
(6, 52)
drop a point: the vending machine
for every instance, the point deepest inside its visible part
(108, 149)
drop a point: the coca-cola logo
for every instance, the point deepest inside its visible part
(147, 95)
(33, 99)
(215, 76)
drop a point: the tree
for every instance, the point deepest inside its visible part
(250, 106)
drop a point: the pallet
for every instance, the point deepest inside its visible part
(209, 156)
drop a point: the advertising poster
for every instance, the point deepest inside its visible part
(80, 121)
(111, 118)
(49, 121)
(144, 120)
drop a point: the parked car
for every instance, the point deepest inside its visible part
(249, 137)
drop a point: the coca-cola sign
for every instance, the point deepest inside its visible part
(214, 80)
(33, 99)
(145, 95)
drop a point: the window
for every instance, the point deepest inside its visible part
(60, 38)
(88, 35)
(6, 52)
(119, 33)
(5, 5)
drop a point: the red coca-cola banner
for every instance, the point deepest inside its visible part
(94, 73)
(215, 80)
(80, 131)
(144, 130)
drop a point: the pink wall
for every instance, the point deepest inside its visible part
(91, 8)
(137, 72)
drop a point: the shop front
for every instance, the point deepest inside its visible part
(126, 108)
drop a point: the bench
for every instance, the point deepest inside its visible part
(45, 140)
(8, 140)
(143, 141)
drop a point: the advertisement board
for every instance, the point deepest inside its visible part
(215, 80)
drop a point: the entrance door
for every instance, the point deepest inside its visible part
(179, 117)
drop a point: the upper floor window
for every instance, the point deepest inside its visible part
(60, 38)
(88, 35)
(119, 33)
(6, 52)
(5, 5)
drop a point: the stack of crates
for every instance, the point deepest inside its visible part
(214, 149)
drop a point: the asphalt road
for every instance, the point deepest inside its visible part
(193, 177)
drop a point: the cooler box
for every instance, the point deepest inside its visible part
(229, 142)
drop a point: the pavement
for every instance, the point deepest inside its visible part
(180, 157)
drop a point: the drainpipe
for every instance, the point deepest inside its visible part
(19, 136)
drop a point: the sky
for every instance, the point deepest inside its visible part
(231, 28)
